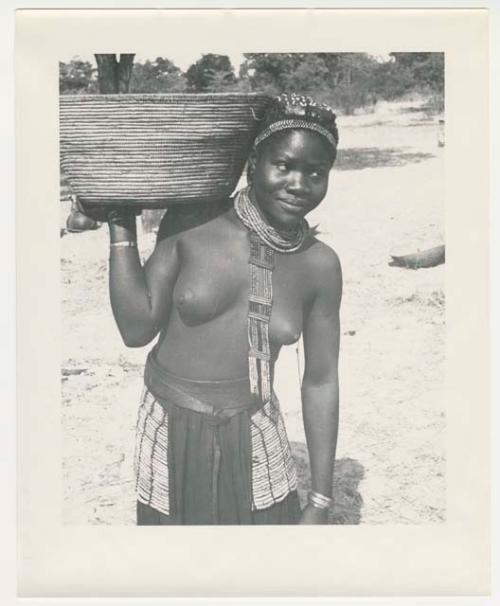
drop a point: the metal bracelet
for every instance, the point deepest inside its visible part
(319, 500)
(124, 243)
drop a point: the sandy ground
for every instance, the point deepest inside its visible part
(386, 193)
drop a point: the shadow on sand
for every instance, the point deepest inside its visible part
(356, 158)
(348, 474)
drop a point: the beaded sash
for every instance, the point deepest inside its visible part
(264, 241)
(260, 302)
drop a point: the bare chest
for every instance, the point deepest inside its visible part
(213, 285)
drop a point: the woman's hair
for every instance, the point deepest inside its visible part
(291, 111)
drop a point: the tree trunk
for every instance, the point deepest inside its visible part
(125, 72)
(113, 75)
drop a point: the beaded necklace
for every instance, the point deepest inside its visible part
(281, 241)
(264, 241)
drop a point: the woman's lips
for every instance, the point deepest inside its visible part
(294, 206)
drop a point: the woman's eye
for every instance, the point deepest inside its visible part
(282, 166)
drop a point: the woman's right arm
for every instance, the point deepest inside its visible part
(141, 296)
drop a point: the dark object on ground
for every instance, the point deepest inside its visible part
(73, 371)
(441, 132)
(422, 258)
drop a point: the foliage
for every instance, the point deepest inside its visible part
(426, 69)
(390, 81)
(340, 79)
(353, 81)
(275, 72)
(158, 76)
(346, 81)
(77, 77)
(211, 73)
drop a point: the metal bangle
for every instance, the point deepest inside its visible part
(319, 500)
(124, 243)
(321, 497)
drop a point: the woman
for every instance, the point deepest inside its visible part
(224, 297)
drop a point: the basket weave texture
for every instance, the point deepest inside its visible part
(154, 150)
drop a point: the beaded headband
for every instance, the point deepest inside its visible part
(293, 111)
(287, 124)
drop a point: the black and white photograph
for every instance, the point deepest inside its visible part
(252, 288)
(252, 301)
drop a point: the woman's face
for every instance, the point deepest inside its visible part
(290, 175)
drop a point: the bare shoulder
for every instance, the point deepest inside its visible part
(217, 232)
(324, 263)
(190, 232)
(325, 274)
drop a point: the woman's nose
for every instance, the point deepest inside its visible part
(296, 182)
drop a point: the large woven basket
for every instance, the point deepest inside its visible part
(154, 150)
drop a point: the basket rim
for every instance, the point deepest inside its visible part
(200, 96)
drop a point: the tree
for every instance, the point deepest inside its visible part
(114, 74)
(266, 72)
(211, 73)
(340, 79)
(391, 81)
(76, 77)
(160, 75)
(425, 69)
(353, 80)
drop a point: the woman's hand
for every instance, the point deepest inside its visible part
(121, 216)
(314, 515)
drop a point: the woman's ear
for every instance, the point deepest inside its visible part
(251, 162)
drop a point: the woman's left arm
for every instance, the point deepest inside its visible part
(320, 384)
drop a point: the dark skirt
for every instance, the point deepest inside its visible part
(286, 512)
(209, 474)
(206, 468)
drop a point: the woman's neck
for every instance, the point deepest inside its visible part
(263, 215)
